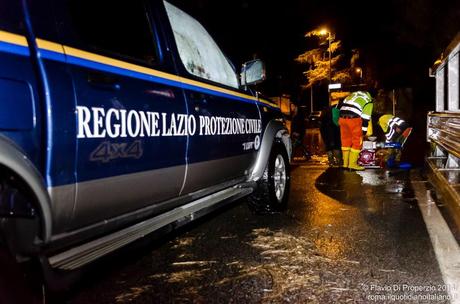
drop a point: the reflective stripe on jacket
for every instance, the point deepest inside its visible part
(388, 124)
(358, 104)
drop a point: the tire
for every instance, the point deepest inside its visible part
(271, 193)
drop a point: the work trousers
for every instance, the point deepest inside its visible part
(351, 133)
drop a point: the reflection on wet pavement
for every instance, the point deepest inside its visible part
(344, 233)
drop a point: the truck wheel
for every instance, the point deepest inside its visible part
(272, 190)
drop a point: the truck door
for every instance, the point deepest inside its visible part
(228, 123)
(124, 101)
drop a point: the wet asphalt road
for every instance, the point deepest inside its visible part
(346, 238)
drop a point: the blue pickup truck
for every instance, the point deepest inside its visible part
(120, 118)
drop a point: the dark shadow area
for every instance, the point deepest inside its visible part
(18, 284)
(339, 184)
(348, 186)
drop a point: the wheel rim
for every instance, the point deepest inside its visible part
(280, 177)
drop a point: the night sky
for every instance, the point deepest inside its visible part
(398, 40)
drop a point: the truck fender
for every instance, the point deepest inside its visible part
(275, 131)
(12, 158)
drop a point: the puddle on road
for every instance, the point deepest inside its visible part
(385, 186)
(372, 177)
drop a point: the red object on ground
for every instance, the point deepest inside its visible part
(367, 158)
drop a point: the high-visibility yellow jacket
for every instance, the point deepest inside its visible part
(388, 123)
(384, 122)
(359, 104)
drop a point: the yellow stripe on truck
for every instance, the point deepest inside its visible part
(13, 38)
(117, 63)
(67, 50)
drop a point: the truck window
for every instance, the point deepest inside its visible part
(197, 50)
(118, 29)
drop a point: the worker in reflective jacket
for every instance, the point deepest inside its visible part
(395, 129)
(355, 115)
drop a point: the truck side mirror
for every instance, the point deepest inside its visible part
(252, 72)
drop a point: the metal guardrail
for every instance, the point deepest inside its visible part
(443, 129)
(443, 132)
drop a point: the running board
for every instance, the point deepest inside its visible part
(88, 252)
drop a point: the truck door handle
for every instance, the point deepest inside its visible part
(104, 81)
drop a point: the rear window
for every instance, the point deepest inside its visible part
(198, 52)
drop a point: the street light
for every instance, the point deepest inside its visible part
(323, 32)
(360, 72)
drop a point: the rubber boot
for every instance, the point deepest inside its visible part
(345, 156)
(337, 157)
(330, 158)
(353, 162)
